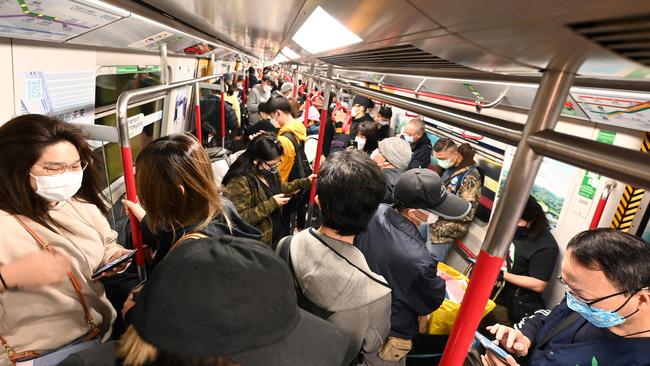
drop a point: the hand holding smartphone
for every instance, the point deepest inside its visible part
(110, 265)
(489, 346)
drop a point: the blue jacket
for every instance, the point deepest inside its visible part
(580, 343)
(394, 248)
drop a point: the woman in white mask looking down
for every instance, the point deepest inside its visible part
(55, 237)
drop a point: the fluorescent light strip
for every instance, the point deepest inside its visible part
(291, 54)
(322, 32)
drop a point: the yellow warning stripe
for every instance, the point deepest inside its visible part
(630, 201)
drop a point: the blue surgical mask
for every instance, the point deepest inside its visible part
(444, 163)
(598, 317)
(408, 138)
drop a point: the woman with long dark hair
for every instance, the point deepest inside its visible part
(253, 184)
(55, 235)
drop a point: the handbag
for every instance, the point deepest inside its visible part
(88, 340)
(395, 349)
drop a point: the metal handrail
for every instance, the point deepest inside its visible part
(127, 155)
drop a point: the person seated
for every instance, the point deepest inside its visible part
(392, 155)
(529, 267)
(382, 120)
(331, 274)
(177, 168)
(394, 248)
(221, 301)
(604, 318)
(463, 178)
(253, 184)
(366, 137)
(52, 215)
(415, 134)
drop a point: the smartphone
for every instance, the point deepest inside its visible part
(110, 265)
(353, 143)
(491, 347)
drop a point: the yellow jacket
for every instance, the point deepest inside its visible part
(234, 102)
(289, 155)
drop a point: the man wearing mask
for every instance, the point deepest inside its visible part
(394, 248)
(258, 94)
(605, 316)
(414, 133)
(383, 122)
(359, 112)
(392, 156)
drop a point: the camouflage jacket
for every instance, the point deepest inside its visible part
(256, 209)
(444, 231)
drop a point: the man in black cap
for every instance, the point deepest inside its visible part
(382, 119)
(359, 113)
(395, 249)
(224, 301)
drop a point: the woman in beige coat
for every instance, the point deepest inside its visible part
(55, 235)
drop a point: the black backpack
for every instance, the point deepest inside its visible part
(301, 167)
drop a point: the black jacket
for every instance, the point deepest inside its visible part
(421, 153)
(394, 248)
(357, 121)
(211, 117)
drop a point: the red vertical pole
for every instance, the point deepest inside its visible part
(480, 287)
(245, 90)
(223, 117)
(598, 214)
(306, 111)
(197, 114)
(131, 195)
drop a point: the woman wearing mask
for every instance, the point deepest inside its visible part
(366, 137)
(529, 265)
(463, 178)
(177, 168)
(253, 184)
(55, 237)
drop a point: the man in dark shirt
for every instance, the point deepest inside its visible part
(415, 134)
(382, 119)
(605, 317)
(264, 124)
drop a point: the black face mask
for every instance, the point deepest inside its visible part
(521, 231)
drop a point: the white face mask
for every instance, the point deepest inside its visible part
(235, 94)
(354, 111)
(60, 187)
(374, 154)
(267, 88)
(431, 218)
(383, 122)
(361, 142)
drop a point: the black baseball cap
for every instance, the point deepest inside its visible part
(363, 101)
(423, 189)
(235, 298)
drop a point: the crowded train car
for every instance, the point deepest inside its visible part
(335, 183)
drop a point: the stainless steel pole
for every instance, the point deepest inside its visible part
(544, 113)
(164, 68)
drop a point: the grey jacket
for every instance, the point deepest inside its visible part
(256, 96)
(361, 305)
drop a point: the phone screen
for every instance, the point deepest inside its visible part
(114, 263)
(491, 347)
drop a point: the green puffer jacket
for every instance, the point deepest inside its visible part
(444, 231)
(257, 210)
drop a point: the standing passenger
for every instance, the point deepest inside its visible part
(366, 137)
(55, 237)
(256, 95)
(360, 107)
(462, 178)
(394, 248)
(332, 275)
(253, 185)
(415, 134)
(393, 157)
(383, 122)
(287, 91)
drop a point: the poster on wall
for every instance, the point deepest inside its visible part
(551, 188)
(69, 96)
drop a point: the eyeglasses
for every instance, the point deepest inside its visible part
(56, 169)
(579, 299)
(269, 166)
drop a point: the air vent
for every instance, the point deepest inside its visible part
(395, 56)
(629, 37)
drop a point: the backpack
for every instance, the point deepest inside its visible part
(283, 250)
(221, 159)
(301, 167)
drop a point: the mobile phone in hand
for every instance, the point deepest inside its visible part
(491, 347)
(110, 265)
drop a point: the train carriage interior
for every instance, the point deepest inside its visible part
(552, 98)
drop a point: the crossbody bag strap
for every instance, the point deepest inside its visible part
(558, 328)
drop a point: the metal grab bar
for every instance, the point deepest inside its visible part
(127, 155)
(479, 104)
(598, 214)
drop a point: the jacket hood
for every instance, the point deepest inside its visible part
(296, 127)
(327, 279)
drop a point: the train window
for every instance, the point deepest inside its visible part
(111, 81)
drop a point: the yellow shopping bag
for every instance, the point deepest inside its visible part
(441, 320)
